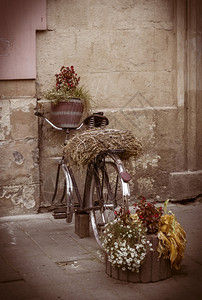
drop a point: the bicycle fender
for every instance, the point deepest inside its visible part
(125, 176)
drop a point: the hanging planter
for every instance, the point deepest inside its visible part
(67, 114)
(69, 101)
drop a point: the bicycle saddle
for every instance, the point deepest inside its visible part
(96, 120)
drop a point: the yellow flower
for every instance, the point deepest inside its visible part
(172, 240)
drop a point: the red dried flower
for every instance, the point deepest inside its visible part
(67, 79)
(149, 214)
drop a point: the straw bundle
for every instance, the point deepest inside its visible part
(84, 147)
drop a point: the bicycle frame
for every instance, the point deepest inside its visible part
(92, 170)
(70, 183)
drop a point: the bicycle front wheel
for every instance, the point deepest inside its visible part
(106, 194)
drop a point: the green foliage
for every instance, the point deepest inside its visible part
(63, 94)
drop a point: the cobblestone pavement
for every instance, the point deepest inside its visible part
(42, 258)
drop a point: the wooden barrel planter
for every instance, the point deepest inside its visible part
(153, 268)
(67, 114)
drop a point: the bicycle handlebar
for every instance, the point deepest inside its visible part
(97, 119)
(38, 114)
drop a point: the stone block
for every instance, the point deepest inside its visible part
(112, 51)
(164, 49)
(169, 141)
(163, 89)
(78, 12)
(122, 90)
(19, 162)
(123, 15)
(164, 14)
(23, 122)
(17, 88)
(5, 126)
(185, 185)
(19, 199)
(82, 225)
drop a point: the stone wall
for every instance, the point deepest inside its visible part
(19, 192)
(141, 61)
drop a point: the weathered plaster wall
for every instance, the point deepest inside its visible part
(132, 57)
(19, 181)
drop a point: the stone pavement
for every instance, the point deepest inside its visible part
(42, 258)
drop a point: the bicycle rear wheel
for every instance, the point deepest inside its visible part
(106, 193)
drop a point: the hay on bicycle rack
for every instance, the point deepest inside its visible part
(85, 146)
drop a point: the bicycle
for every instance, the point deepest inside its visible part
(106, 184)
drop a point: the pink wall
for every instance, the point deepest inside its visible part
(19, 20)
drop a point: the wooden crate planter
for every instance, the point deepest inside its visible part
(153, 268)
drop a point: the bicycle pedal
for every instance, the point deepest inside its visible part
(60, 209)
(59, 215)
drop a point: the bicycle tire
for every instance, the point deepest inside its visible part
(69, 195)
(100, 215)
